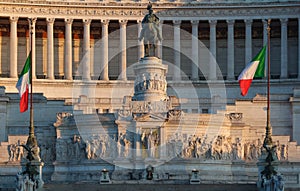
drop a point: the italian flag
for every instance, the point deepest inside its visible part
(256, 68)
(23, 84)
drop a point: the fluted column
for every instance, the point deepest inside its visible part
(195, 58)
(265, 41)
(86, 67)
(248, 43)
(13, 70)
(140, 43)
(284, 61)
(230, 50)
(176, 25)
(50, 47)
(123, 24)
(68, 49)
(104, 50)
(213, 50)
(32, 44)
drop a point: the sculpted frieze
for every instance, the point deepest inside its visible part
(221, 148)
(149, 107)
(117, 10)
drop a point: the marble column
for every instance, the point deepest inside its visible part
(213, 50)
(248, 42)
(104, 51)
(123, 24)
(68, 49)
(13, 67)
(298, 48)
(177, 70)
(265, 41)
(230, 50)
(86, 67)
(32, 43)
(284, 61)
(140, 43)
(195, 50)
(50, 48)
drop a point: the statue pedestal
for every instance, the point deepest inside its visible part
(150, 82)
(37, 165)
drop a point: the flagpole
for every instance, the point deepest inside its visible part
(31, 141)
(31, 125)
(269, 170)
(268, 139)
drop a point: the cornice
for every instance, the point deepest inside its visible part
(134, 11)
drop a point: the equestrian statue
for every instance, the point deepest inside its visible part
(150, 32)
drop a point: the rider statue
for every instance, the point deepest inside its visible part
(150, 32)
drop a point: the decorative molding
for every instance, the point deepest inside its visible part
(131, 11)
(234, 116)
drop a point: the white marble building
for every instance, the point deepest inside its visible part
(84, 52)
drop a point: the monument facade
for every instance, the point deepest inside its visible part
(165, 110)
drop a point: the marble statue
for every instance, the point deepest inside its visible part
(150, 32)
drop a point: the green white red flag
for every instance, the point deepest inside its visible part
(255, 68)
(23, 84)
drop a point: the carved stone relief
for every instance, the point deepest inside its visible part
(150, 81)
(16, 152)
(150, 140)
(222, 148)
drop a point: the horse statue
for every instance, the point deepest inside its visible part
(150, 32)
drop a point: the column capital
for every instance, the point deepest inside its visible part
(195, 22)
(32, 20)
(284, 20)
(13, 19)
(265, 21)
(230, 22)
(68, 20)
(50, 20)
(104, 22)
(123, 22)
(212, 22)
(176, 22)
(86, 21)
(248, 21)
